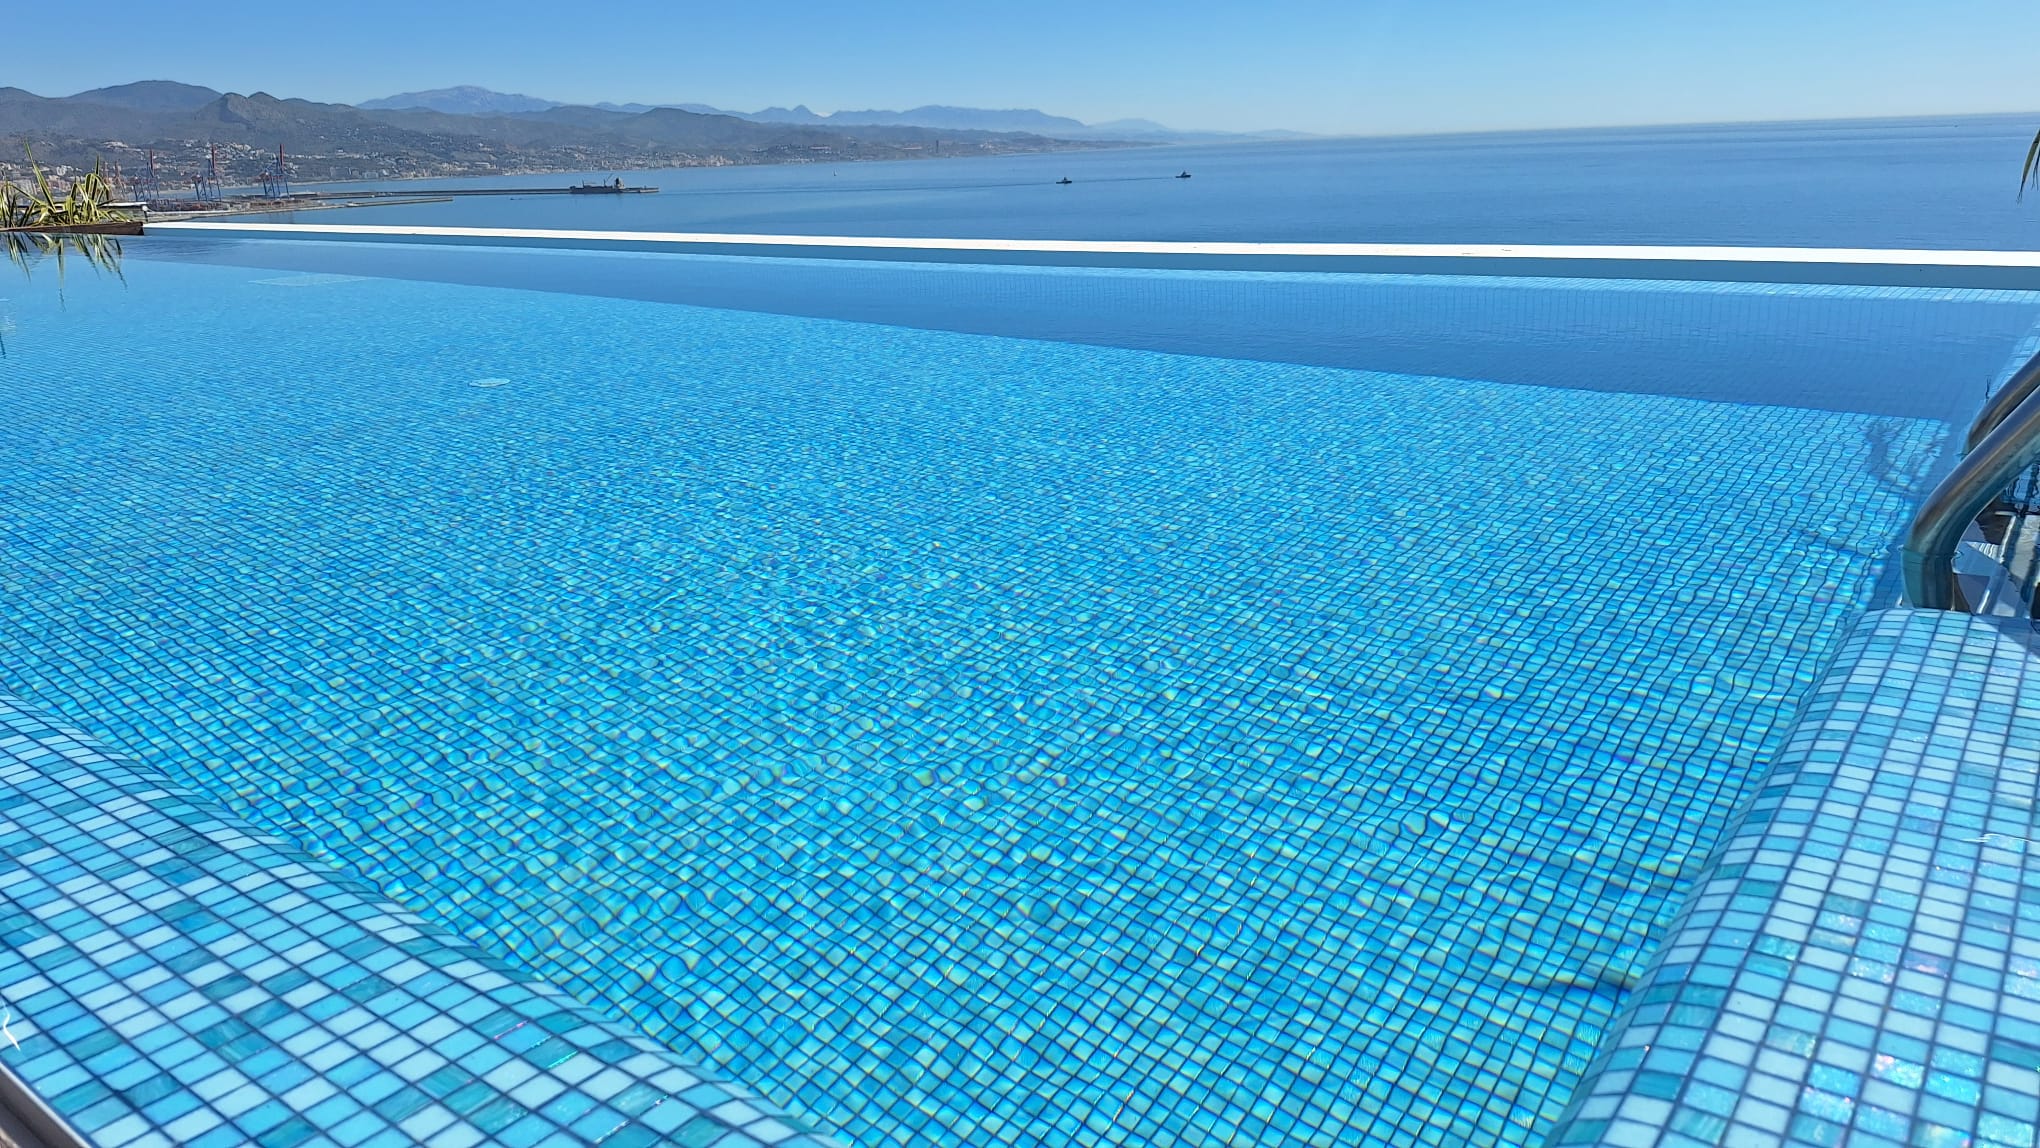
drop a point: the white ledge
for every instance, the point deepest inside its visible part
(2016, 269)
(1855, 255)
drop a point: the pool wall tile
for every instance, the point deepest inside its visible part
(1860, 961)
(170, 974)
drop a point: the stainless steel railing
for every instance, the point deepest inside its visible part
(27, 1122)
(2002, 442)
(2003, 402)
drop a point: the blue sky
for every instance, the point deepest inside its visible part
(1336, 66)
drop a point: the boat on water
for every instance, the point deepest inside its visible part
(1065, 179)
(613, 188)
(1183, 175)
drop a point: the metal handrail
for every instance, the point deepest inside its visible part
(1928, 556)
(2003, 402)
(27, 1122)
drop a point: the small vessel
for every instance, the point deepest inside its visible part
(612, 188)
(1065, 179)
(1183, 175)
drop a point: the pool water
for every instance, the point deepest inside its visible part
(962, 739)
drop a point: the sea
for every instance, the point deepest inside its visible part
(1949, 182)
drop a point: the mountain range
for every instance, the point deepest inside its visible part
(492, 133)
(468, 100)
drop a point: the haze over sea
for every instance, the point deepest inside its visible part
(1926, 183)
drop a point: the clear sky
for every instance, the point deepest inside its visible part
(1334, 66)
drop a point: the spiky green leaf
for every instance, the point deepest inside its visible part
(2031, 172)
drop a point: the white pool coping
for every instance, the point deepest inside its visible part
(1896, 267)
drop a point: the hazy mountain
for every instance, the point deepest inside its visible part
(965, 119)
(797, 114)
(481, 101)
(151, 96)
(1140, 127)
(472, 130)
(337, 141)
(640, 109)
(34, 119)
(466, 100)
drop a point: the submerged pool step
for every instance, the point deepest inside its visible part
(172, 976)
(1861, 961)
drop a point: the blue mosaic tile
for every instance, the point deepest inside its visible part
(1866, 936)
(963, 740)
(219, 1040)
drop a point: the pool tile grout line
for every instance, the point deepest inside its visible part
(1860, 962)
(174, 976)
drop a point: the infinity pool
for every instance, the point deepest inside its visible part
(962, 738)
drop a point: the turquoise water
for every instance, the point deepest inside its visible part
(965, 740)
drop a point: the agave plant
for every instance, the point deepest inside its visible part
(2031, 172)
(43, 205)
(84, 202)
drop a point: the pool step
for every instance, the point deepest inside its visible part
(1860, 961)
(172, 975)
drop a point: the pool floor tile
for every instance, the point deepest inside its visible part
(159, 1062)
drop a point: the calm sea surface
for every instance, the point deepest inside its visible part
(1949, 182)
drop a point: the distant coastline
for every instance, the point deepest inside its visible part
(1085, 146)
(182, 131)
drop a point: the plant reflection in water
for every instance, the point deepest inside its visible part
(29, 250)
